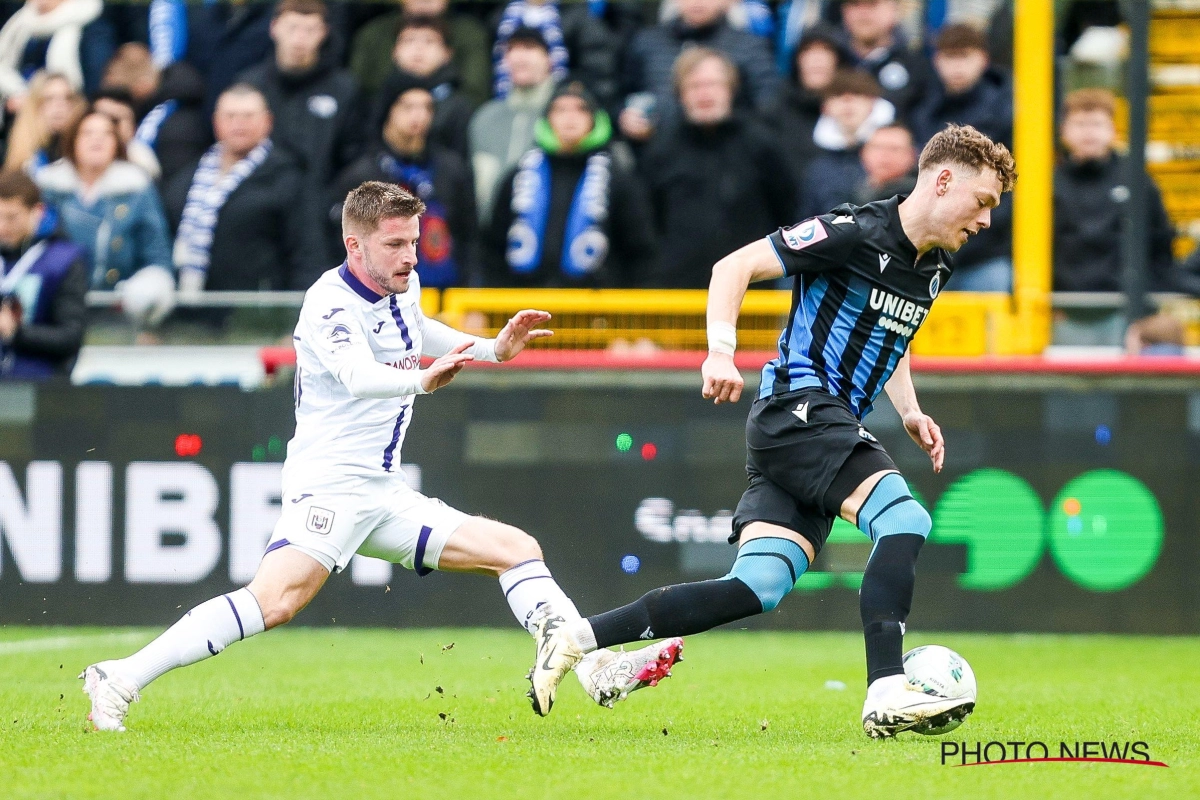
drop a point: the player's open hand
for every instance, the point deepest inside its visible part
(443, 370)
(722, 381)
(519, 332)
(926, 433)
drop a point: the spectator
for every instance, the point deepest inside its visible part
(43, 280)
(118, 104)
(467, 39)
(169, 104)
(502, 129)
(106, 204)
(798, 108)
(238, 213)
(570, 214)
(52, 105)
(314, 103)
(874, 41)
(968, 91)
(226, 39)
(580, 44)
(62, 36)
(407, 155)
(889, 160)
(852, 110)
(1090, 199)
(423, 57)
(652, 54)
(717, 180)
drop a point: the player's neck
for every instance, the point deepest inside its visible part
(915, 223)
(358, 271)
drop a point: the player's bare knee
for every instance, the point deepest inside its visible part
(518, 547)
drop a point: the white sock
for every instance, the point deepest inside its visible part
(886, 685)
(583, 635)
(530, 585)
(204, 631)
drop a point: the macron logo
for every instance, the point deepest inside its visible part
(883, 262)
(801, 412)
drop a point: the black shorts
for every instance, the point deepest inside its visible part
(805, 454)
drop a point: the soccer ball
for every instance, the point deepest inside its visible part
(940, 671)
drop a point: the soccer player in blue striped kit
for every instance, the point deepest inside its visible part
(864, 279)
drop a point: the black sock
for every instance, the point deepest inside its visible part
(885, 599)
(679, 610)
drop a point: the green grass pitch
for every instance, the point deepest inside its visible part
(366, 714)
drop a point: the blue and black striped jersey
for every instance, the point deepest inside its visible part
(859, 296)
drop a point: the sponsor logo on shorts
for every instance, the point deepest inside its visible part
(807, 233)
(866, 434)
(320, 520)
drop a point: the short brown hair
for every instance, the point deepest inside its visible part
(131, 64)
(71, 135)
(16, 185)
(1090, 100)
(301, 7)
(962, 144)
(371, 202)
(693, 57)
(852, 81)
(957, 38)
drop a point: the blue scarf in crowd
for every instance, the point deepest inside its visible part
(208, 193)
(435, 248)
(520, 14)
(585, 244)
(168, 31)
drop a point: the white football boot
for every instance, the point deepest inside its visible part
(111, 696)
(901, 707)
(557, 654)
(616, 674)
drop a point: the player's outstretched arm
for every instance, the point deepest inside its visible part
(519, 332)
(920, 426)
(731, 276)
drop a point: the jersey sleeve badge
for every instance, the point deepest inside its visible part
(805, 234)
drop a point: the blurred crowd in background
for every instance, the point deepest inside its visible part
(595, 144)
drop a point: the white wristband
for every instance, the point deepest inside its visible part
(722, 338)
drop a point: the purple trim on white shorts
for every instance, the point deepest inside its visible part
(419, 561)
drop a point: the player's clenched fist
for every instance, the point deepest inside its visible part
(722, 381)
(442, 371)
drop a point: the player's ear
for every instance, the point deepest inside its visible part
(944, 179)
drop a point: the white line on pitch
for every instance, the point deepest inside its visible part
(64, 642)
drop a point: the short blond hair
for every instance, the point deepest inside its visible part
(370, 203)
(966, 146)
(693, 57)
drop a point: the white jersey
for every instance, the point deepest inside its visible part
(339, 434)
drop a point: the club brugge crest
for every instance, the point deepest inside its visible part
(935, 285)
(320, 520)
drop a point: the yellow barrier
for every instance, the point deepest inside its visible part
(585, 319)
(961, 323)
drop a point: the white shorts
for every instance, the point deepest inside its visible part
(379, 517)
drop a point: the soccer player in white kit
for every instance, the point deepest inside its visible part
(359, 343)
